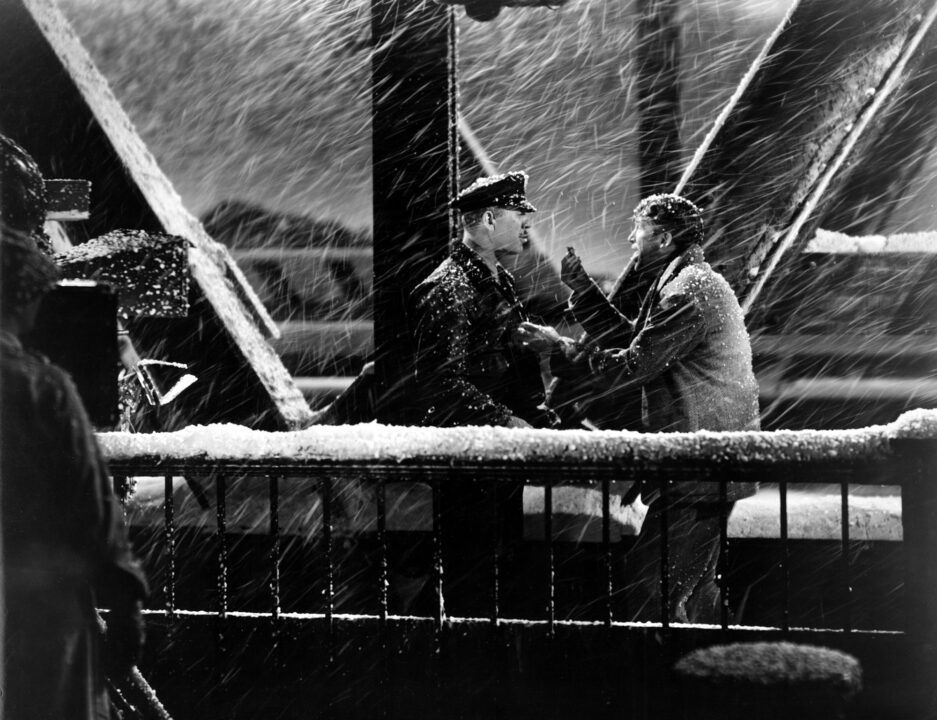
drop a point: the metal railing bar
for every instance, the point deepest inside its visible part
(274, 490)
(169, 589)
(722, 562)
(410, 619)
(325, 488)
(607, 549)
(664, 501)
(221, 522)
(807, 471)
(551, 559)
(847, 572)
(383, 580)
(440, 610)
(383, 568)
(785, 560)
(497, 527)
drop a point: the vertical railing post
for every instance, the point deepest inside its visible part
(844, 556)
(919, 526)
(169, 589)
(415, 159)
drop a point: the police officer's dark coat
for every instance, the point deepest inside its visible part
(65, 548)
(469, 368)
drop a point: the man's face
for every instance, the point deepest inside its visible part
(510, 233)
(646, 240)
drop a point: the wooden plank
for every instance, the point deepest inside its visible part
(875, 346)
(359, 256)
(298, 336)
(911, 390)
(323, 342)
(76, 121)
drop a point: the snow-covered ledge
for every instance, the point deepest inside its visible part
(813, 511)
(374, 444)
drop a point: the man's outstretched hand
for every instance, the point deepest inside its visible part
(539, 338)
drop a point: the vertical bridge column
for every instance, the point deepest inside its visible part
(415, 156)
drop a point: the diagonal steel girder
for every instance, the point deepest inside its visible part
(808, 109)
(55, 102)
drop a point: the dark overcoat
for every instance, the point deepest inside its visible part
(690, 352)
(65, 547)
(470, 370)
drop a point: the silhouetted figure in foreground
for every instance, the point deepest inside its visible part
(65, 547)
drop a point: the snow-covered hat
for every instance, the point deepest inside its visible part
(508, 191)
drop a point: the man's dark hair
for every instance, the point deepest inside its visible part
(675, 214)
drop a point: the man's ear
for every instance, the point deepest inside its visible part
(666, 239)
(488, 218)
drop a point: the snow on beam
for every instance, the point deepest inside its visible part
(810, 105)
(833, 243)
(479, 448)
(231, 298)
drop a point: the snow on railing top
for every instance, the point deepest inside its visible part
(374, 444)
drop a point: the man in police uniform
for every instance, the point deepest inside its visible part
(471, 370)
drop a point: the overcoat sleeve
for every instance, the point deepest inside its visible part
(601, 320)
(675, 326)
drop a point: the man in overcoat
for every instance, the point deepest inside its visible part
(690, 353)
(65, 547)
(471, 370)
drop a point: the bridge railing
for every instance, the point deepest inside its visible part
(390, 466)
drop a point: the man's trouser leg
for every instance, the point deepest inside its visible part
(693, 554)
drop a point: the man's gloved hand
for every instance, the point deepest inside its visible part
(123, 642)
(573, 274)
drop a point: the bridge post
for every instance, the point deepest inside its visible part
(415, 157)
(919, 522)
(658, 86)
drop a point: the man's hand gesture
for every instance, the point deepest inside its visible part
(539, 338)
(572, 273)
